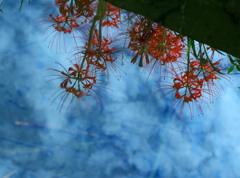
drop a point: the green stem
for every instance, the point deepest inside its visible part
(98, 15)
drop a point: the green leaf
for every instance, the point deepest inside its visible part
(202, 60)
(194, 50)
(22, 4)
(230, 69)
(189, 46)
(1, 5)
(239, 87)
(199, 56)
(231, 59)
(238, 61)
(219, 52)
(238, 67)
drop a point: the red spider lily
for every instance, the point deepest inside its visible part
(77, 8)
(154, 44)
(195, 84)
(102, 54)
(65, 24)
(79, 83)
(207, 71)
(59, 28)
(188, 87)
(112, 16)
(169, 50)
(139, 41)
(57, 37)
(192, 90)
(166, 48)
(150, 44)
(69, 20)
(210, 75)
(85, 9)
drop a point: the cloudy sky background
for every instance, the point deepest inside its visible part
(132, 136)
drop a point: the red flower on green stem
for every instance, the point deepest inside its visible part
(139, 40)
(154, 44)
(71, 18)
(79, 83)
(169, 50)
(112, 16)
(188, 88)
(102, 54)
(85, 9)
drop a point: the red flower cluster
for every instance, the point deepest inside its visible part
(80, 82)
(100, 53)
(151, 40)
(112, 16)
(97, 55)
(194, 84)
(71, 15)
(151, 43)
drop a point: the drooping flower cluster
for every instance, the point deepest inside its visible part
(149, 44)
(112, 16)
(71, 15)
(79, 82)
(151, 40)
(101, 53)
(195, 83)
(92, 60)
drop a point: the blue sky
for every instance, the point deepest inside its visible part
(132, 136)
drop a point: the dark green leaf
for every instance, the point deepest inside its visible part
(238, 67)
(194, 50)
(230, 69)
(231, 59)
(21, 5)
(238, 61)
(189, 46)
(202, 60)
(1, 5)
(200, 48)
(219, 52)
